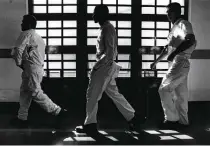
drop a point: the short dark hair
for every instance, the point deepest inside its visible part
(175, 7)
(30, 19)
(103, 9)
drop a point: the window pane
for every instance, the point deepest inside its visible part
(148, 10)
(125, 65)
(161, 74)
(113, 23)
(91, 56)
(54, 65)
(124, 24)
(146, 65)
(55, 74)
(162, 33)
(45, 65)
(93, 1)
(69, 56)
(54, 24)
(123, 57)
(126, 33)
(124, 2)
(54, 56)
(54, 9)
(161, 10)
(41, 32)
(90, 9)
(161, 42)
(40, 9)
(148, 33)
(164, 25)
(54, 2)
(182, 11)
(70, 9)
(92, 24)
(112, 9)
(91, 41)
(148, 57)
(69, 73)
(162, 65)
(148, 2)
(69, 1)
(147, 73)
(181, 2)
(54, 41)
(147, 42)
(69, 23)
(109, 2)
(45, 41)
(54, 32)
(124, 42)
(124, 10)
(147, 24)
(69, 41)
(90, 65)
(162, 2)
(39, 1)
(124, 74)
(92, 32)
(41, 24)
(69, 32)
(69, 65)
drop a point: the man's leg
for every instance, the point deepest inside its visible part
(95, 90)
(182, 102)
(25, 102)
(97, 84)
(122, 104)
(166, 92)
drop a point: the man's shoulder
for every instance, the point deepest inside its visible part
(109, 27)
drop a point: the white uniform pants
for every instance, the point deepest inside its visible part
(102, 80)
(173, 91)
(31, 90)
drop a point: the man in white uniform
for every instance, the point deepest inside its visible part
(103, 74)
(173, 90)
(29, 53)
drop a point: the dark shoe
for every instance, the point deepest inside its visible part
(88, 129)
(169, 124)
(136, 122)
(20, 124)
(63, 114)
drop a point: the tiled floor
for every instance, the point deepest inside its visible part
(44, 135)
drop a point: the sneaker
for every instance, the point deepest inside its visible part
(88, 129)
(20, 124)
(63, 114)
(169, 124)
(136, 122)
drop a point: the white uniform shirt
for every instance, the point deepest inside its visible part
(106, 46)
(177, 35)
(29, 49)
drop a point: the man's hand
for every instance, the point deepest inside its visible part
(152, 66)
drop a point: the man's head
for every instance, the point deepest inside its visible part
(173, 11)
(101, 13)
(28, 22)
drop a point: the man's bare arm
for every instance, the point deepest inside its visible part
(189, 41)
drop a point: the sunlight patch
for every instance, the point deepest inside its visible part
(167, 138)
(183, 136)
(84, 139)
(168, 131)
(152, 132)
